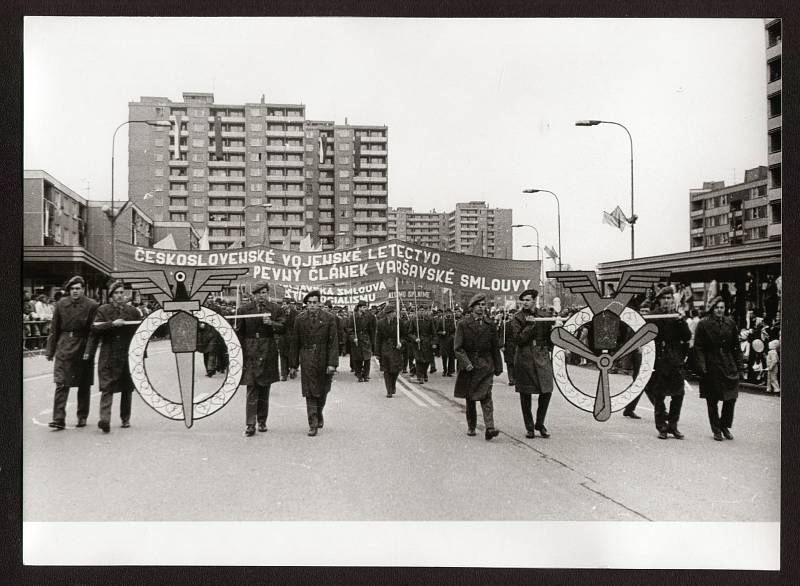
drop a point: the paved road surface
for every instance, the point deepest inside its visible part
(401, 459)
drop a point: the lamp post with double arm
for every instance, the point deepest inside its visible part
(558, 217)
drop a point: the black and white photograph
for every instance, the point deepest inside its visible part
(407, 292)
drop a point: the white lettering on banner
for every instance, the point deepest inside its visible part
(506, 285)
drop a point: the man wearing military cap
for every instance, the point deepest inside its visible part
(69, 332)
(445, 329)
(422, 336)
(260, 353)
(114, 336)
(389, 349)
(315, 350)
(362, 338)
(478, 353)
(672, 345)
(285, 338)
(533, 371)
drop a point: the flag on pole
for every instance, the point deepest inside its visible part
(321, 147)
(548, 250)
(203, 244)
(357, 154)
(616, 218)
(477, 246)
(218, 137)
(176, 153)
(287, 240)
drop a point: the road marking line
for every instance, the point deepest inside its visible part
(37, 377)
(413, 393)
(422, 394)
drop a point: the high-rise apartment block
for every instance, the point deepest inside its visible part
(774, 123)
(258, 173)
(472, 228)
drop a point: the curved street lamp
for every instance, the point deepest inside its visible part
(633, 218)
(558, 216)
(114, 215)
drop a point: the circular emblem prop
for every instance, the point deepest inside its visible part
(172, 409)
(586, 401)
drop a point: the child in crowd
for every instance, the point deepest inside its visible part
(773, 364)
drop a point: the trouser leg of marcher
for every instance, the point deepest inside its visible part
(726, 420)
(394, 381)
(106, 402)
(713, 415)
(320, 406)
(525, 402)
(388, 382)
(85, 389)
(209, 361)
(257, 407)
(284, 364)
(541, 408)
(60, 403)
(472, 414)
(422, 370)
(312, 410)
(510, 371)
(365, 368)
(631, 407)
(675, 404)
(660, 411)
(487, 406)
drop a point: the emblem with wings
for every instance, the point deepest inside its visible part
(604, 313)
(181, 298)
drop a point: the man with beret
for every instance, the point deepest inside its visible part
(478, 353)
(260, 353)
(362, 336)
(718, 357)
(389, 348)
(446, 329)
(69, 332)
(533, 370)
(114, 336)
(672, 344)
(315, 350)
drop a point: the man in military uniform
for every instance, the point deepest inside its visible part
(389, 349)
(533, 371)
(207, 340)
(114, 336)
(408, 349)
(422, 335)
(445, 329)
(315, 350)
(361, 343)
(672, 344)
(285, 338)
(69, 331)
(260, 354)
(478, 353)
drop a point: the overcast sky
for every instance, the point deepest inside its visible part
(476, 109)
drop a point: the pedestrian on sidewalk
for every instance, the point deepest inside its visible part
(114, 336)
(672, 344)
(315, 350)
(773, 367)
(260, 355)
(390, 351)
(69, 332)
(533, 370)
(719, 359)
(478, 352)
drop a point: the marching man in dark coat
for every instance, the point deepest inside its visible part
(533, 370)
(362, 340)
(508, 344)
(69, 332)
(389, 349)
(672, 343)
(285, 339)
(718, 360)
(422, 335)
(478, 353)
(445, 330)
(260, 353)
(114, 336)
(315, 350)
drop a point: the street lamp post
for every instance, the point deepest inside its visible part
(538, 248)
(633, 218)
(558, 217)
(115, 215)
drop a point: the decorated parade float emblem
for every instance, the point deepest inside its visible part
(603, 314)
(181, 298)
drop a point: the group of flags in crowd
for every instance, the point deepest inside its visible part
(617, 218)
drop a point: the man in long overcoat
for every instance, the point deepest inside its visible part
(422, 336)
(718, 358)
(69, 332)
(114, 336)
(207, 341)
(362, 340)
(533, 370)
(672, 344)
(389, 349)
(479, 361)
(260, 353)
(445, 330)
(508, 345)
(315, 350)
(408, 349)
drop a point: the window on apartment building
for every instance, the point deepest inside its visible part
(256, 142)
(198, 187)
(774, 105)
(775, 176)
(198, 172)
(343, 133)
(775, 212)
(198, 157)
(255, 172)
(177, 201)
(177, 216)
(256, 186)
(344, 187)
(198, 217)
(344, 173)
(775, 141)
(197, 127)
(774, 68)
(159, 172)
(256, 127)
(344, 146)
(198, 142)
(159, 157)
(159, 142)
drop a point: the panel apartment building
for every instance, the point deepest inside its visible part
(472, 228)
(258, 173)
